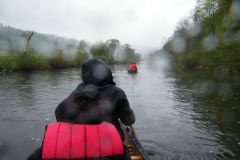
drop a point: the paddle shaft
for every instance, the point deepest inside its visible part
(133, 130)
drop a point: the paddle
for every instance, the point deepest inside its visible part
(134, 133)
(122, 69)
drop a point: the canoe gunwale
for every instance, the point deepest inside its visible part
(131, 139)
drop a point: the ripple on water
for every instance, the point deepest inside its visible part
(177, 116)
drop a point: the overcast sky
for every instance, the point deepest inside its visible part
(141, 23)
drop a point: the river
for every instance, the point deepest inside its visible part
(181, 113)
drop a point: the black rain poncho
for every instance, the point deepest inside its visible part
(114, 105)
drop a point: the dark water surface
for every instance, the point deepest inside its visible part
(181, 113)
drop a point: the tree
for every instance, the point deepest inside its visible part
(205, 10)
(55, 47)
(83, 46)
(119, 52)
(128, 54)
(100, 51)
(28, 38)
(182, 26)
(69, 48)
(113, 45)
(82, 54)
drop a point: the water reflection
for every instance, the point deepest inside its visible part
(213, 106)
(181, 113)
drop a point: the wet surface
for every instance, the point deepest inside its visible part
(181, 113)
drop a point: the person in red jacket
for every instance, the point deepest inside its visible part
(129, 67)
(133, 66)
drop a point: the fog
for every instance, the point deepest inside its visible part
(140, 23)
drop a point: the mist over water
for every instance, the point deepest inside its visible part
(180, 113)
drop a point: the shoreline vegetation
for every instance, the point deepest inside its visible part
(30, 60)
(22, 52)
(208, 39)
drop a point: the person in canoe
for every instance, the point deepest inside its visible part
(97, 75)
(129, 67)
(80, 132)
(133, 66)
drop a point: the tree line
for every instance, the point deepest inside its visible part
(208, 38)
(28, 50)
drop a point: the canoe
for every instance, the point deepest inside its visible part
(134, 147)
(132, 71)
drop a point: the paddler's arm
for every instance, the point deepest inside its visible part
(126, 114)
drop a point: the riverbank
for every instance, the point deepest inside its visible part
(224, 58)
(28, 61)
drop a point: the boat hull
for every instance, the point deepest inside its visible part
(132, 71)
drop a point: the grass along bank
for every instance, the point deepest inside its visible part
(30, 60)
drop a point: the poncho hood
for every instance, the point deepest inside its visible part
(96, 72)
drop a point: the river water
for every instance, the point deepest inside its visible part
(181, 113)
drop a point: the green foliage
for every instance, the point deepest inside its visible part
(129, 51)
(113, 45)
(36, 52)
(129, 54)
(191, 59)
(28, 60)
(111, 52)
(80, 57)
(6, 63)
(220, 25)
(230, 56)
(222, 56)
(83, 46)
(57, 60)
(82, 54)
(100, 50)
